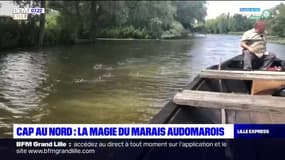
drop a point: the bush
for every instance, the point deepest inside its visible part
(155, 27)
(9, 31)
(60, 29)
(176, 31)
(123, 32)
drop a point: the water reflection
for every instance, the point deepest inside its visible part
(21, 77)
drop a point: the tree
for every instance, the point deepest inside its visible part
(277, 24)
(67, 22)
(226, 23)
(191, 12)
(42, 25)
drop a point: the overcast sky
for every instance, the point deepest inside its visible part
(216, 8)
(6, 8)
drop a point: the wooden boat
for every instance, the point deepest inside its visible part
(226, 94)
(221, 94)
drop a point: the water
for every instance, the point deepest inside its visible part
(117, 81)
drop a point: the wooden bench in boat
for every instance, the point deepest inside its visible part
(230, 101)
(266, 87)
(242, 75)
(263, 82)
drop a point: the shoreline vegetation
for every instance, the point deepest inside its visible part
(238, 24)
(275, 39)
(78, 22)
(270, 38)
(72, 22)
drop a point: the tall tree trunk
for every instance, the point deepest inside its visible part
(80, 25)
(32, 22)
(93, 17)
(42, 25)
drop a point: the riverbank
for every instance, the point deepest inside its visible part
(275, 39)
(271, 39)
(89, 41)
(235, 33)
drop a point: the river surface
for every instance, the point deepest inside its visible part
(111, 81)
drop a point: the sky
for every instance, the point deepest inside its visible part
(6, 8)
(215, 8)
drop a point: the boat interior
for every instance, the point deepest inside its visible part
(173, 113)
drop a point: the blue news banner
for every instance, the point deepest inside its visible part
(145, 141)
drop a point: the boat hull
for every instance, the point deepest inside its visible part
(177, 114)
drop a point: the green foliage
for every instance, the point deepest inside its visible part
(123, 32)
(225, 23)
(276, 25)
(190, 12)
(52, 29)
(128, 19)
(155, 27)
(9, 38)
(69, 21)
(240, 23)
(176, 30)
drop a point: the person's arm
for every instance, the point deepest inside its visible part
(245, 46)
(245, 38)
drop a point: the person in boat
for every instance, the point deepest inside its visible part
(253, 43)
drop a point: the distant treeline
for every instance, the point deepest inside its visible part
(66, 22)
(239, 23)
(226, 23)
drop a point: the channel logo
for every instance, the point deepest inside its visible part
(22, 13)
(256, 13)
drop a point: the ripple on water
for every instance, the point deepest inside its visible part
(103, 84)
(10, 109)
(22, 75)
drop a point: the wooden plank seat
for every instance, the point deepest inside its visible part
(242, 75)
(263, 82)
(266, 87)
(230, 101)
